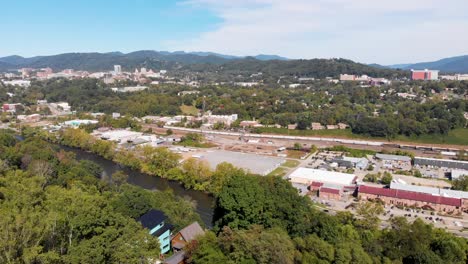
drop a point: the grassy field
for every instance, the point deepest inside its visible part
(280, 171)
(345, 133)
(290, 163)
(295, 154)
(189, 110)
(457, 136)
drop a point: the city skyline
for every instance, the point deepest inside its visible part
(365, 31)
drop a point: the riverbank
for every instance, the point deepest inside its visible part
(202, 201)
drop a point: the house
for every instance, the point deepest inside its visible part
(156, 222)
(250, 124)
(316, 126)
(342, 126)
(12, 108)
(292, 126)
(186, 235)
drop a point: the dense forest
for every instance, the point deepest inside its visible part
(55, 209)
(372, 111)
(263, 220)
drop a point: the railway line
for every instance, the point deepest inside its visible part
(324, 139)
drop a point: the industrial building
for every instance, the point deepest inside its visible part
(350, 162)
(455, 174)
(78, 122)
(429, 190)
(444, 163)
(412, 198)
(394, 161)
(308, 176)
(425, 75)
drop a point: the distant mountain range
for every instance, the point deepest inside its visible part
(457, 64)
(102, 61)
(212, 65)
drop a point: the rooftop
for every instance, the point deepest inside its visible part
(429, 190)
(191, 231)
(323, 176)
(392, 157)
(152, 218)
(410, 195)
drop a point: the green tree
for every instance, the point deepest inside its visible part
(386, 178)
(461, 183)
(368, 213)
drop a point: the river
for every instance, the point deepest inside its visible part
(203, 201)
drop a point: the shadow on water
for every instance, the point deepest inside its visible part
(203, 201)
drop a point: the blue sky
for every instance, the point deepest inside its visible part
(384, 31)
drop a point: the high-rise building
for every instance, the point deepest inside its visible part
(117, 69)
(427, 75)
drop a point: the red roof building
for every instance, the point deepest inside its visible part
(409, 198)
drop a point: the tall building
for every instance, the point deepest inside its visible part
(425, 75)
(117, 69)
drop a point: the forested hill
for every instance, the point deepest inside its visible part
(318, 68)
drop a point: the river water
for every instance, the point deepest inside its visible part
(202, 201)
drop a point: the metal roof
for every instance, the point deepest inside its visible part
(323, 176)
(454, 164)
(410, 195)
(392, 157)
(429, 190)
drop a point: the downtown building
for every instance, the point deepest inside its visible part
(424, 75)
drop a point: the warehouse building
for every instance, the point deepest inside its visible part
(444, 163)
(309, 176)
(411, 198)
(394, 161)
(350, 162)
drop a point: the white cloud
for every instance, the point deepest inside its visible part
(380, 31)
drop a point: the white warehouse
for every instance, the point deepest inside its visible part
(307, 176)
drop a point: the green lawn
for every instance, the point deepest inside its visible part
(344, 133)
(295, 154)
(290, 163)
(189, 110)
(278, 172)
(457, 136)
